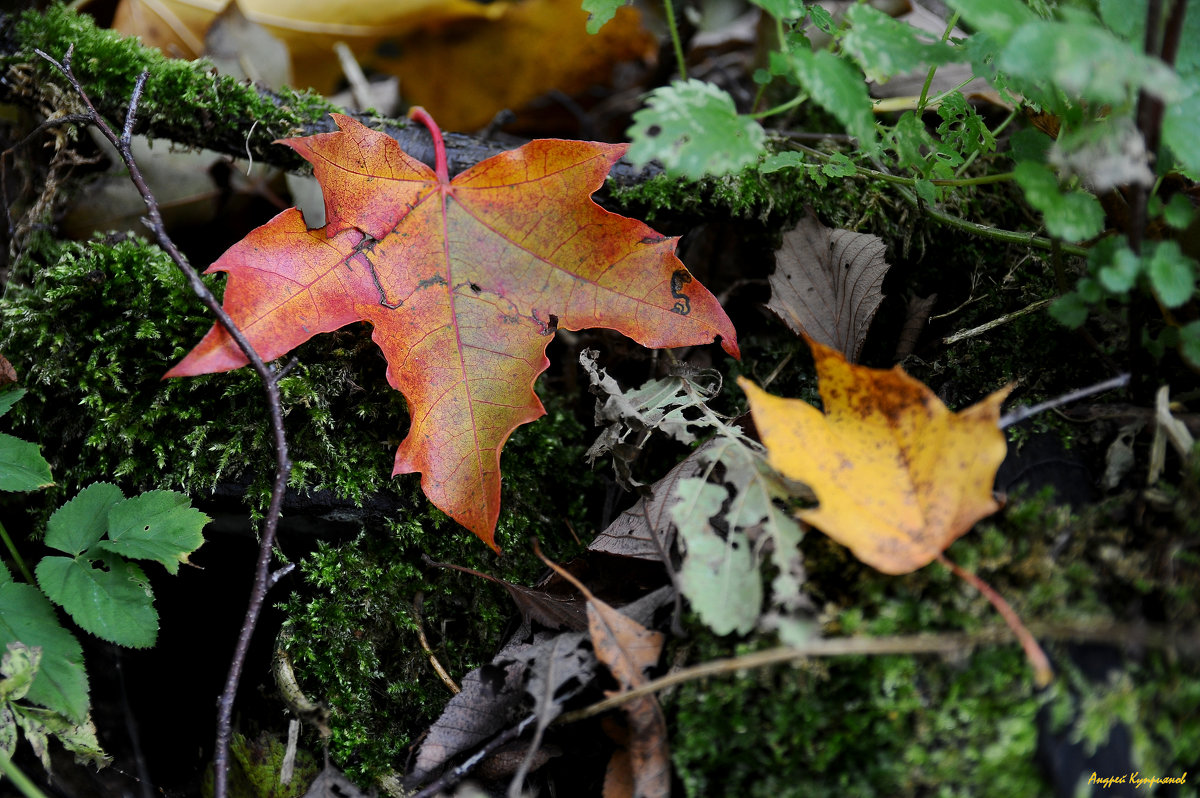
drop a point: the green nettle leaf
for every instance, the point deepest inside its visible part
(821, 17)
(910, 142)
(1189, 342)
(1120, 275)
(10, 398)
(18, 666)
(61, 683)
(600, 12)
(1086, 61)
(838, 88)
(1178, 213)
(1070, 310)
(1073, 216)
(1172, 274)
(718, 576)
(80, 523)
(159, 525)
(886, 47)
(22, 467)
(962, 128)
(693, 129)
(998, 18)
(113, 602)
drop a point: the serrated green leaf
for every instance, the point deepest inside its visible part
(27, 616)
(885, 47)
(1085, 61)
(1189, 342)
(10, 398)
(22, 467)
(927, 191)
(821, 17)
(910, 142)
(80, 523)
(780, 161)
(840, 89)
(1122, 273)
(113, 603)
(1172, 274)
(1071, 216)
(19, 666)
(998, 18)
(600, 12)
(693, 129)
(1069, 310)
(718, 576)
(5, 574)
(159, 525)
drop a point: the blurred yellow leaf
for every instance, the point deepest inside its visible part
(897, 476)
(464, 61)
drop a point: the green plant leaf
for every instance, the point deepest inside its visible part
(782, 9)
(1120, 275)
(1189, 342)
(1070, 310)
(19, 666)
(840, 89)
(1172, 274)
(22, 467)
(719, 576)
(114, 602)
(159, 525)
(27, 616)
(885, 47)
(780, 161)
(600, 12)
(80, 523)
(838, 165)
(1180, 123)
(10, 398)
(1178, 213)
(1072, 216)
(693, 129)
(997, 18)
(1085, 61)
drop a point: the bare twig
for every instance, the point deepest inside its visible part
(263, 578)
(452, 777)
(1019, 414)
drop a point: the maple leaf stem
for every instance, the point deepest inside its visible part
(1043, 673)
(419, 114)
(264, 579)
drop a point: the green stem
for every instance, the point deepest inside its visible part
(669, 7)
(16, 555)
(933, 69)
(779, 109)
(19, 779)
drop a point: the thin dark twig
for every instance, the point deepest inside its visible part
(263, 578)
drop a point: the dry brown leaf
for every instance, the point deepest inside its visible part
(826, 284)
(898, 477)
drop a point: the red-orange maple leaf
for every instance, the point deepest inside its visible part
(464, 282)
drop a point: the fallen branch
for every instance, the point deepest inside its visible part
(264, 578)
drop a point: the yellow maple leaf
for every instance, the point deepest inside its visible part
(898, 477)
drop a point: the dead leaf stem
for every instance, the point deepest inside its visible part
(263, 577)
(442, 673)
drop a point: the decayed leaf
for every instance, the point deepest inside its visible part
(898, 477)
(630, 650)
(826, 284)
(464, 282)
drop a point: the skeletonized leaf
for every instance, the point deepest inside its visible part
(826, 284)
